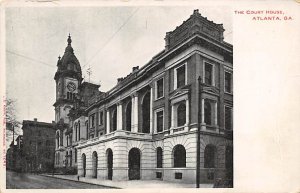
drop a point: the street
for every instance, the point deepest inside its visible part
(32, 181)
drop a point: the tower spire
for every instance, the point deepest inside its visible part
(69, 39)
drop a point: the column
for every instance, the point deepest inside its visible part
(202, 111)
(132, 113)
(136, 117)
(151, 124)
(107, 121)
(187, 122)
(216, 113)
(173, 117)
(119, 116)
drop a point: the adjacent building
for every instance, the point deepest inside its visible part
(38, 146)
(146, 126)
(14, 155)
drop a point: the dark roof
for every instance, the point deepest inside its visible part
(36, 123)
(68, 63)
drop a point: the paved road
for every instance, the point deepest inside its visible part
(31, 181)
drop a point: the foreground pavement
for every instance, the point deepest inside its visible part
(16, 180)
(130, 184)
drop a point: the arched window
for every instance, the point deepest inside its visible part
(181, 114)
(209, 156)
(114, 119)
(159, 157)
(179, 154)
(57, 139)
(128, 116)
(75, 155)
(76, 132)
(83, 157)
(146, 113)
(207, 112)
(94, 164)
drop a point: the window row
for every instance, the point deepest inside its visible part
(180, 76)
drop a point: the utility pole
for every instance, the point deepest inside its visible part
(198, 131)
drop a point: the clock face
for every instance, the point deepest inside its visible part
(71, 86)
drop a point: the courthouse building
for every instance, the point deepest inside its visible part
(146, 126)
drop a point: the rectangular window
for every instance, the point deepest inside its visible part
(180, 76)
(160, 121)
(228, 118)
(228, 79)
(158, 175)
(208, 74)
(101, 118)
(160, 88)
(178, 175)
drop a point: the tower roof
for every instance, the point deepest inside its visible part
(68, 63)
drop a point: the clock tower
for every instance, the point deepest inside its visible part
(68, 78)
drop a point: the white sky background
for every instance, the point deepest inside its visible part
(40, 34)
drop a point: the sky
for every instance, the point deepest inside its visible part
(109, 40)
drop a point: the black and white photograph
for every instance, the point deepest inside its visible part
(120, 97)
(152, 96)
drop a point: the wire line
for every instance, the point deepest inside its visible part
(28, 58)
(109, 39)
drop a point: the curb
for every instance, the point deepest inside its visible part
(80, 181)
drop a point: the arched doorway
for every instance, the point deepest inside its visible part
(94, 164)
(109, 154)
(84, 164)
(134, 163)
(179, 156)
(146, 113)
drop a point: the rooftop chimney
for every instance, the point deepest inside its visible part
(120, 79)
(35, 119)
(135, 68)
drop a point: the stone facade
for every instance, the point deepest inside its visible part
(146, 126)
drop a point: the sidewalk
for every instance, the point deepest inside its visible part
(130, 184)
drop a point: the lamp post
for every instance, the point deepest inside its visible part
(198, 131)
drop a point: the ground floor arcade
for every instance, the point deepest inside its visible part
(172, 158)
